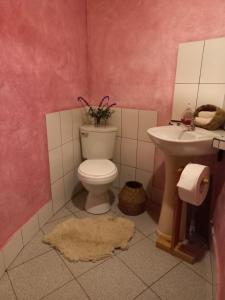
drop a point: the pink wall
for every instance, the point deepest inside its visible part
(132, 57)
(43, 68)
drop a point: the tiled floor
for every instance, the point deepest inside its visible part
(143, 272)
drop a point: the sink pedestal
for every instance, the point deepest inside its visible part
(172, 165)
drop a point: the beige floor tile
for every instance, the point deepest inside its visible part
(72, 207)
(70, 291)
(50, 226)
(138, 236)
(79, 201)
(203, 267)
(39, 276)
(182, 283)
(143, 222)
(111, 280)
(6, 291)
(153, 236)
(34, 248)
(147, 261)
(78, 268)
(63, 212)
(148, 295)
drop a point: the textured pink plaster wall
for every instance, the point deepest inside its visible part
(132, 57)
(43, 67)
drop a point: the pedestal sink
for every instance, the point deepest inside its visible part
(180, 147)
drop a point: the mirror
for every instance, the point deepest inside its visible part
(200, 75)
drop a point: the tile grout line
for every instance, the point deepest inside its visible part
(199, 275)
(23, 263)
(56, 289)
(178, 263)
(12, 285)
(73, 276)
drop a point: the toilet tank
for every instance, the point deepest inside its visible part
(98, 142)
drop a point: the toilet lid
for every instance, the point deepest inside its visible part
(97, 168)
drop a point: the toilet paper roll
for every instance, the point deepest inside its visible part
(193, 184)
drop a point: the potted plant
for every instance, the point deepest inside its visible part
(100, 113)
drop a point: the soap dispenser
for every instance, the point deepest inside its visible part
(188, 116)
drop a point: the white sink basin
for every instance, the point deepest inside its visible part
(177, 141)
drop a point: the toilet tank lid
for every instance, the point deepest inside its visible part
(92, 128)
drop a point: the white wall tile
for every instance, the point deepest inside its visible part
(77, 122)
(117, 151)
(53, 130)
(55, 164)
(58, 195)
(129, 123)
(211, 94)
(70, 182)
(183, 94)
(213, 64)
(77, 152)
(66, 125)
(145, 156)
(12, 248)
(29, 229)
(45, 213)
(128, 152)
(147, 119)
(115, 119)
(126, 174)
(189, 62)
(2, 265)
(68, 159)
(144, 177)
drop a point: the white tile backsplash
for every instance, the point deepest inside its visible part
(117, 152)
(53, 130)
(126, 174)
(77, 122)
(144, 177)
(77, 152)
(66, 125)
(189, 62)
(55, 164)
(147, 119)
(45, 213)
(29, 229)
(129, 123)
(115, 119)
(128, 152)
(58, 195)
(213, 63)
(68, 159)
(145, 156)
(70, 182)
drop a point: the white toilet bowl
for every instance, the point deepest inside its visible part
(96, 176)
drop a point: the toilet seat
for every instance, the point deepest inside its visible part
(97, 171)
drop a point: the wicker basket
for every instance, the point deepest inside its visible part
(132, 198)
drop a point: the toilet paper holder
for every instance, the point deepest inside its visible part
(189, 252)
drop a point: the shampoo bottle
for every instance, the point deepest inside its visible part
(187, 116)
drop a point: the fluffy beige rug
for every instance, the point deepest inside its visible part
(90, 238)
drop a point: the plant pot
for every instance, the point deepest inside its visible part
(132, 198)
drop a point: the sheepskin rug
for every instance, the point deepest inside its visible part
(91, 239)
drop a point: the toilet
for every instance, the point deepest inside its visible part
(97, 171)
